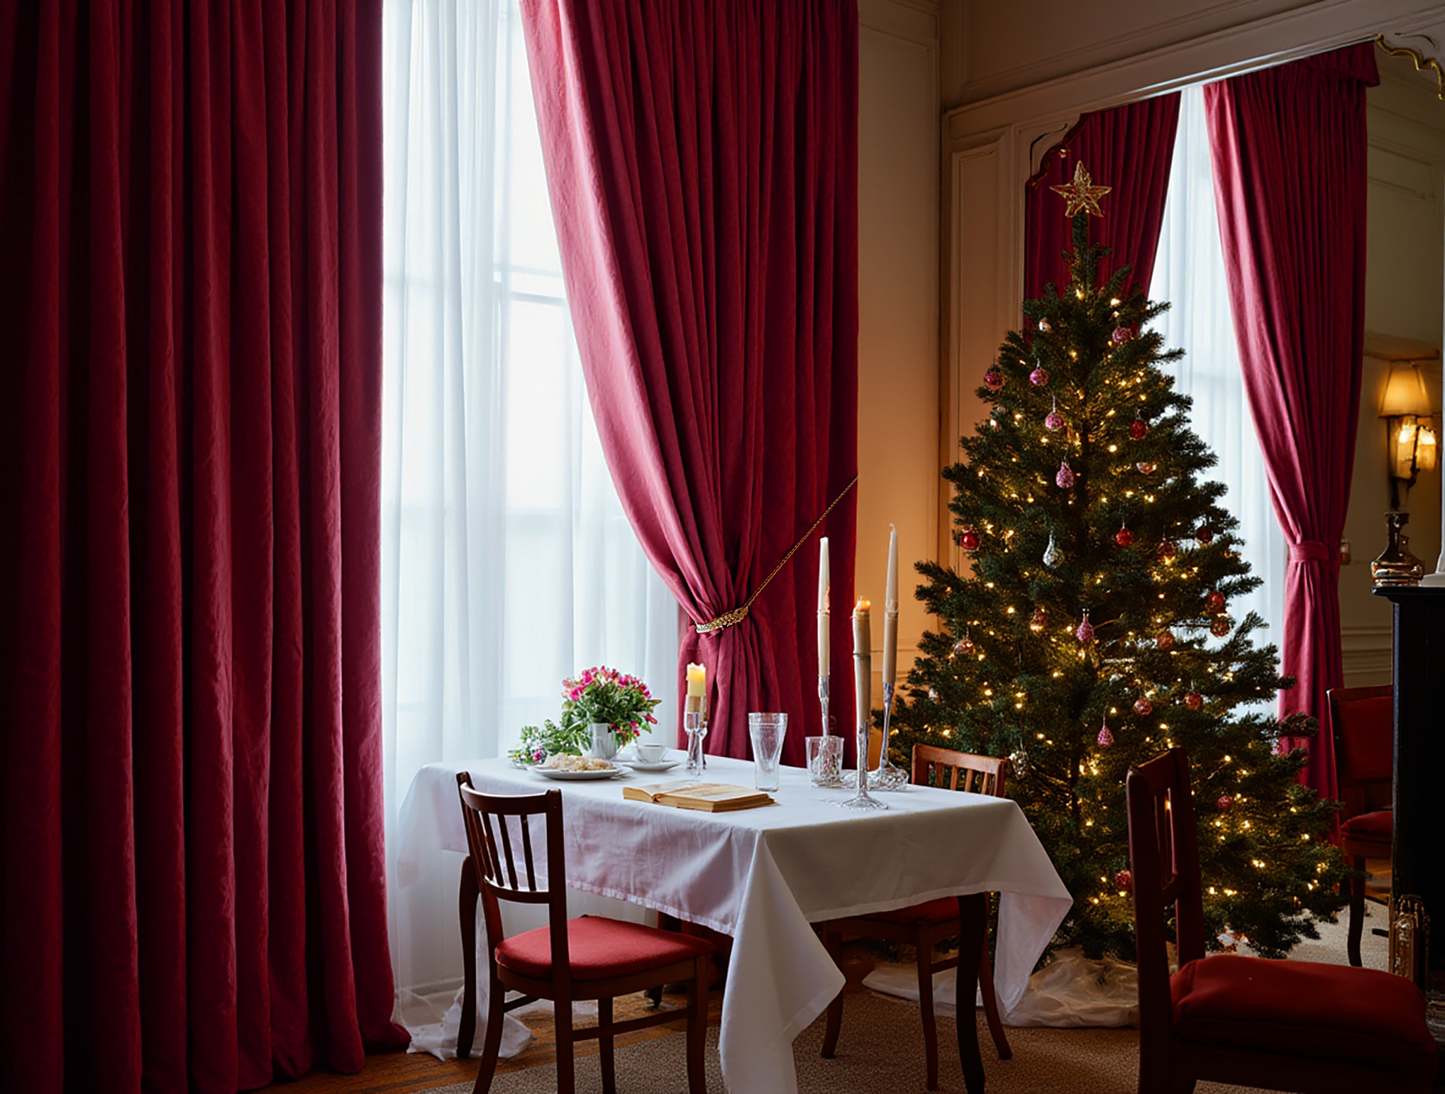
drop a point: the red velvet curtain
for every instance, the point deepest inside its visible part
(702, 159)
(1129, 148)
(1290, 154)
(189, 620)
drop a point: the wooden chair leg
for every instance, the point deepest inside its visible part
(467, 913)
(605, 1046)
(492, 1042)
(972, 935)
(1357, 912)
(833, 943)
(990, 1006)
(923, 945)
(566, 1072)
(697, 1003)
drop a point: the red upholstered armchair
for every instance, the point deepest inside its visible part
(1363, 723)
(1281, 1025)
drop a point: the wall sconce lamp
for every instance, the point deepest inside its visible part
(1411, 435)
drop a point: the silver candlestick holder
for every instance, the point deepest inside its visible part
(861, 798)
(889, 775)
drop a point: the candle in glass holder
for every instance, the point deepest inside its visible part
(696, 688)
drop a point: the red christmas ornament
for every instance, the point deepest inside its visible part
(1225, 803)
(1165, 641)
(1039, 621)
(1167, 550)
(1039, 377)
(968, 539)
(1123, 537)
(1220, 627)
(1120, 335)
(1205, 533)
(1193, 700)
(1065, 477)
(1139, 429)
(993, 378)
(964, 646)
(1085, 633)
(1143, 707)
(1124, 879)
(1215, 600)
(1106, 736)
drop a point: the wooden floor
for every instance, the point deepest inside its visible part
(410, 1072)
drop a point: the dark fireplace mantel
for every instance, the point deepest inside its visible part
(1419, 823)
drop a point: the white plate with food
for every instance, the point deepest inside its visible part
(577, 767)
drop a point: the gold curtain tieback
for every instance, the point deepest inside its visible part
(737, 615)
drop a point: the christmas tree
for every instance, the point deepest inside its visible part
(1093, 630)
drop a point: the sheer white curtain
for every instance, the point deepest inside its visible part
(507, 563)
(1189, 273)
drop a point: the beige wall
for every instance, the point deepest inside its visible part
(898, 480)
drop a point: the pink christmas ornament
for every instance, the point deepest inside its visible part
(1039, 377)
(964, 646)
(1143, 707)
(1065, 477)
(1055, 420)
(1120, 335)
(1085, 633)
(1106, 736)
(993, 378)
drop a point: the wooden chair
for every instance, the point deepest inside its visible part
(592, 957)
(1362, 720)
(1281, 1025)
(925, 925)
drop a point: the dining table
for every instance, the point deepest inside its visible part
(764, 876)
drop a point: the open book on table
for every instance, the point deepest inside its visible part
(695, 794)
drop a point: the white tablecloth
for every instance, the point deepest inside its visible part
(763, 875)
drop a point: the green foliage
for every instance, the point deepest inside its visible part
(1009, 675)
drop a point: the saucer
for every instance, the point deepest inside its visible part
(660, 765)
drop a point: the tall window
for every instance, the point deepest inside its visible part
(1189, 273)
(507, 561)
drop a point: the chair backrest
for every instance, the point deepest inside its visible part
(503, 851)
(1363, 723)
(1164, 868)
(959, 770)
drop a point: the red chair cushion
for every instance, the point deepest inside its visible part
(932, 911)
(599, 948)
(1379, 825)
(1303, 1008)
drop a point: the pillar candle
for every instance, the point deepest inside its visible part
(890, 613)
(862, 661)
(824, 649)
(696, 687)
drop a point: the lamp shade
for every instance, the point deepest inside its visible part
(1405, 394)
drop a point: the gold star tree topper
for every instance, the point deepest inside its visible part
(1082, 194)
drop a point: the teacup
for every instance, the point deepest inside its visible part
(650, 752)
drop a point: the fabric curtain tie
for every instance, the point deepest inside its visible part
(1310, 550)
(737, 615)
